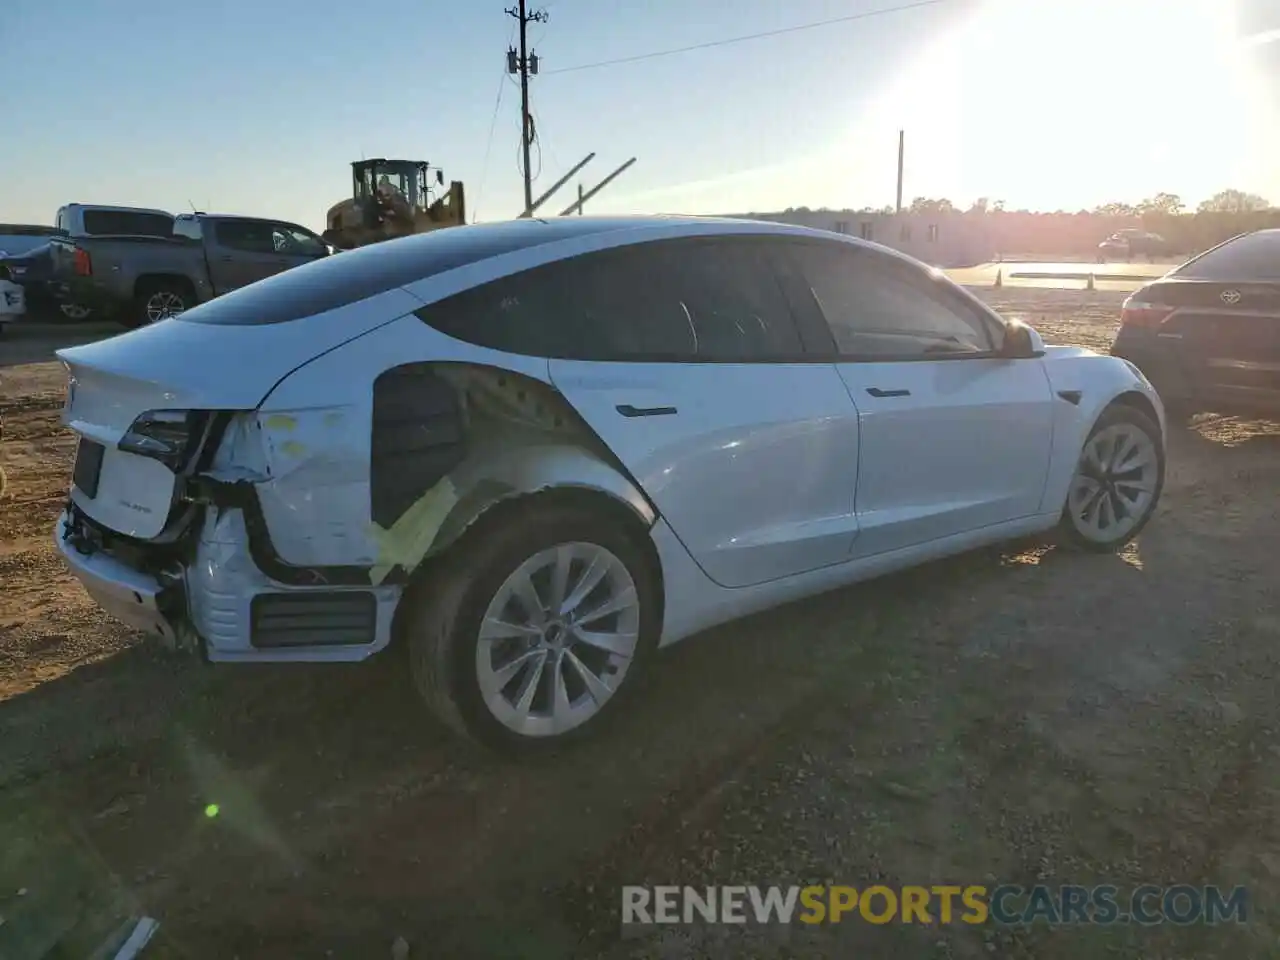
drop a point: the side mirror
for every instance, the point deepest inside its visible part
(1020, 342)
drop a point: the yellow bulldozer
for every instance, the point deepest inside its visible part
(393, 198)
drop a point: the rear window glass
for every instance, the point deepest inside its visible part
(1254, 256)
(130, 223)
(335, 281)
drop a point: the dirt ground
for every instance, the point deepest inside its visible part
(1018, 715)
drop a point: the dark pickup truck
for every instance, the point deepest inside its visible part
(139, 280)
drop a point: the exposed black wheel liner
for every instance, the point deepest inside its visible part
(1067, 534)
(443, 621)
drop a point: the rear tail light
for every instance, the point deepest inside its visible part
(83, 264)
(164, 435)
(1140, 313)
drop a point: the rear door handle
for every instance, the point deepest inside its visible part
(627, 410)
(877, 392)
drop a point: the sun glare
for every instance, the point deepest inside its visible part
(1069, 105)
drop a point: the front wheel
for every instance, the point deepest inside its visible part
(532, 631)
(1117, 482)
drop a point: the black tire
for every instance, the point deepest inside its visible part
(153, 295)
(442, 622)
(1069, 533)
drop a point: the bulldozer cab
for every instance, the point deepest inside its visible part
(376, 184)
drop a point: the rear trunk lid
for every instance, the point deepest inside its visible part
(1215, 297)
(127, 469)
(1226, 334)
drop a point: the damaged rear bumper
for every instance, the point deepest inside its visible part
(131, 596)
(221, 604)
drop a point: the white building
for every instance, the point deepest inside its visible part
(941, 239)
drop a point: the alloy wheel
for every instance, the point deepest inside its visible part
(1115, 483)
(557, 639)
(74, 311)
(163, 304)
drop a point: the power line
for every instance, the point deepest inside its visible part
(488, 145)
(750, 36)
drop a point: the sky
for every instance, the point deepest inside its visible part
(258, 106)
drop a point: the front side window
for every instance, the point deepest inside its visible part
(295, 242)
(246, 236)
(880, 307)
(689, 301)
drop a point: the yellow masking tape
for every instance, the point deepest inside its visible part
(410, 537)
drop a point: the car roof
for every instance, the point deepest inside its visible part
(344, 278)
(111, 209)
(201, 215)
(538, 230)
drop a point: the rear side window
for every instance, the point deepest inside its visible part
(131, 223)
(1254, 256)
(879, 307)
(689, 300)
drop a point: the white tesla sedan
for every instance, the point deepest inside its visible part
(535, 451)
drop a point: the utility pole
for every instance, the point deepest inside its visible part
(901, 151)
(525, 64)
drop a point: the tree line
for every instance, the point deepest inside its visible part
(1220, 217)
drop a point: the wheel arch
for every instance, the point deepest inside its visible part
(474, 521)
(1085, 386)
(1137, 401)
(151, 281)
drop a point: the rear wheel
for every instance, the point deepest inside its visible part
(533, 631)
(158, 301)
(75, 312)
(1117, 482)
